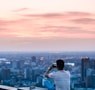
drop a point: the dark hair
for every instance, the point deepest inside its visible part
(60, 64)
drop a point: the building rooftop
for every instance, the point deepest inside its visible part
(21, 88)
(84, 89)
(7, 87)
(36, 88)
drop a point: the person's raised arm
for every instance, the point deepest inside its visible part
(48, 71)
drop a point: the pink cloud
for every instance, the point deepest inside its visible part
(64, 25)
(84, 21)
(21, 10)
(83, 14)
(67, 29)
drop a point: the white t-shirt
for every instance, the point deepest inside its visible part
(61, 79)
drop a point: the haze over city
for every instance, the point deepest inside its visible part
(47, 25)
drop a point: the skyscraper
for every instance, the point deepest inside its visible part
(92, 64)
(33, 58)
(91, 81)
(27, 73)
(5, 74)
(35, 73)
(84, 67)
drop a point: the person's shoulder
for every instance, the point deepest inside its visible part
(68, 72)
(52, 73)
(56, 72)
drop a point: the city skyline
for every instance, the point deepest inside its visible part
(47, 25)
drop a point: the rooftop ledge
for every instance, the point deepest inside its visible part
(3, 87)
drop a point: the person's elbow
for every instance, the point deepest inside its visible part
(46, 75)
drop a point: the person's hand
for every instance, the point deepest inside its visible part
(50, 67)
(54, 65)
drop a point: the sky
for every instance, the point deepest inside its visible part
(47, 25)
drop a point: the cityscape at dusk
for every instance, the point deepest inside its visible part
(47, 44)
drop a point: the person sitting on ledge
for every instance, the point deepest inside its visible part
(61, 77)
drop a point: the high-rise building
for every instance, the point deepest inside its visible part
(35, 74)
(5, 74)
(27, 73)
(92, 64)
(91, 81)
(14, 64)
(42, 58)
(39, 81)
(88, 72)
(84, 67)
(18, 64)
(33, 58)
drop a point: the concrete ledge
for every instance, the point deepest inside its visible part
(3, 87)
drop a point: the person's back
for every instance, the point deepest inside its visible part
(61, 77)
(62, 80)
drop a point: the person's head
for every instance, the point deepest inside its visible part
(60, 64)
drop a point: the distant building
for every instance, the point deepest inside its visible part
(18, 64)
(91, 81)
(92, 64)
(14, 64)
(35, 74)
(84, 67)
(39, 81)
(88, 72)
(5, 74)
(42, 58)
(27, 73)
(33, 58)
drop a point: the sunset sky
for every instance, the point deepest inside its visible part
(47, 25)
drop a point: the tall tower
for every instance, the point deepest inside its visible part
(34, 59)
(35, 73)
(84, 67)
(27, 73)
(5, 74)
(42, 59)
